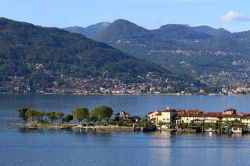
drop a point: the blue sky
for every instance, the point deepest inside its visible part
(233, 15)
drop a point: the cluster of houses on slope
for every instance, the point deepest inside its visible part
(170, 115)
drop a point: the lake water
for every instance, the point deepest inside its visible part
(51, 147)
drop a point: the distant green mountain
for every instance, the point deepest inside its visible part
(35, 57)
(216, 57)
(89, 31)
(179, 32)
(211, 31)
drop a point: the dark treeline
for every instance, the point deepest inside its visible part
(101, 115)
(98, 114)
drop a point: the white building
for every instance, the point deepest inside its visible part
(165, 116)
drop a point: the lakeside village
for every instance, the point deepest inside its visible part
(108, 86)
(169, 119)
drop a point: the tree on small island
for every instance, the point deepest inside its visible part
(23, 114)
(68, 118)
(80, 114)
(101, 113)
(105, 112)
(51, 116)
(39, 116)
(32, 115)
(26, 114)
(59, 116)
(94, 116)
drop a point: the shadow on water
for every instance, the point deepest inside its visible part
(76, 132)
(90, 132)
(156, 134)
(26, 130)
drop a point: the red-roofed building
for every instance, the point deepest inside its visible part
(136, 118)
(194, 111)
(181, 112)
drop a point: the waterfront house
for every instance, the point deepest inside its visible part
(209, 117)
(246, 120)
(197, 116)
(135, 118)
(122, 115)
(155, 116)
(212, 117)
(165, 116)
(191, 118)
(232, 117)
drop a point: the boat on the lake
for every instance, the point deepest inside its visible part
(209, 129)
(236, 130)
(65, 127)
(32, 128)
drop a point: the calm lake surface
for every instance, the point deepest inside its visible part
(53, 147)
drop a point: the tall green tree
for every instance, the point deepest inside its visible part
(59, 115)
(38, 116)
(80, 114)
(31, 114)
(22, 114)
(68, 118)
(103, 112)
(51, 116)
(95, 115)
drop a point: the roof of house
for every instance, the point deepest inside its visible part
(194, 111)
(231, 116)
(211, 114)
(158, 113)
(246, 117)
(169, 110)
(123, 112)
(199, 113)
(136, 117)
(181, 112)
(191, 115)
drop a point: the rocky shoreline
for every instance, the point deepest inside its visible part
(74, 126)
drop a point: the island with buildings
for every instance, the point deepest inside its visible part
(102, 119)
(228, 121)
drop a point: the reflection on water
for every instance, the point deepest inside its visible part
(157, 135)
(22, 146)
(110, 148)
(26, 130)
(161, 141)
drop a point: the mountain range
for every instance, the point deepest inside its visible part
(35, 58)
(89, 31)
(215, 57)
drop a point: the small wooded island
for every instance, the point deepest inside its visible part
(169, 119)
(100, 118)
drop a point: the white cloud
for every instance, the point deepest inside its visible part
(235, 16)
